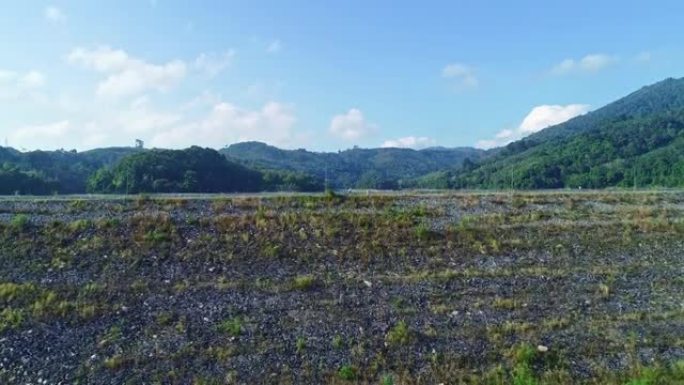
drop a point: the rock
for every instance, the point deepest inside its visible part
(542, 348)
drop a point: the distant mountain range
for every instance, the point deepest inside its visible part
(635, 141)
(384, 168)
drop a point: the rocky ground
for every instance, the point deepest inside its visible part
(552, 288)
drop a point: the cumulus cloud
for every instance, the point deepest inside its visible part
(227, 123)
(214, 63)
(351, 125)
(539, 118)
(126, 75)
(54, 14)
(462, 75)
(590, 64)
(274, 47)
(415, 142)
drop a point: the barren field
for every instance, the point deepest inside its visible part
(453, 288)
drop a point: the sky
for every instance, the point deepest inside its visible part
(321, 75)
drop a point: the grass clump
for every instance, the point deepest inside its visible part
(10, 319)
(304, 282)
(422, 231)
(301, 345)
(399, 334)
(347, 373)
(20, 222)
(338, 342)
(232, 326)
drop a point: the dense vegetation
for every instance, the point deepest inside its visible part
(636, 141)
(197, 170)
(47, 172)
(381, 168)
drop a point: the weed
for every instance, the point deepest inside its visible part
(347, 373)
(301, 345)
(232, 326)
(387, 380)
(337, 342)
(399, 334)
(10, 318)
(303, 282)
(20, 222)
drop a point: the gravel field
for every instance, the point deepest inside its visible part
(413, 288)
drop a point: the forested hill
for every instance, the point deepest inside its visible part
(47, 172)
(635, 141)
(386, 168)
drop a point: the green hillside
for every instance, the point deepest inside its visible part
(635, 141)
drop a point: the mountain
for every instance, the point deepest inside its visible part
(362, 168)
(635, 141)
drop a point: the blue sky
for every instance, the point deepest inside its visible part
(321, 75)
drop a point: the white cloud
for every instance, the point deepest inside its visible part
(549, 115)
(461, 74)
(591, 63)
(52, 131)
(227, 123)
(415, 142)
(127, 75)
(351, 126)
(32, 79)
(539, 118)
(141, 118)
(212, 63)
(54, 14)
(29, 80)
(22, 86)
(274, 47)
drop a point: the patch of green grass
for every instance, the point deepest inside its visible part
(338, 342)
(422, 231)
(347, 373)
(114, 362)
(10, 318)
(20, 222)
(232, 326)
(303, 282)
(399, 334)
(301, 345)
